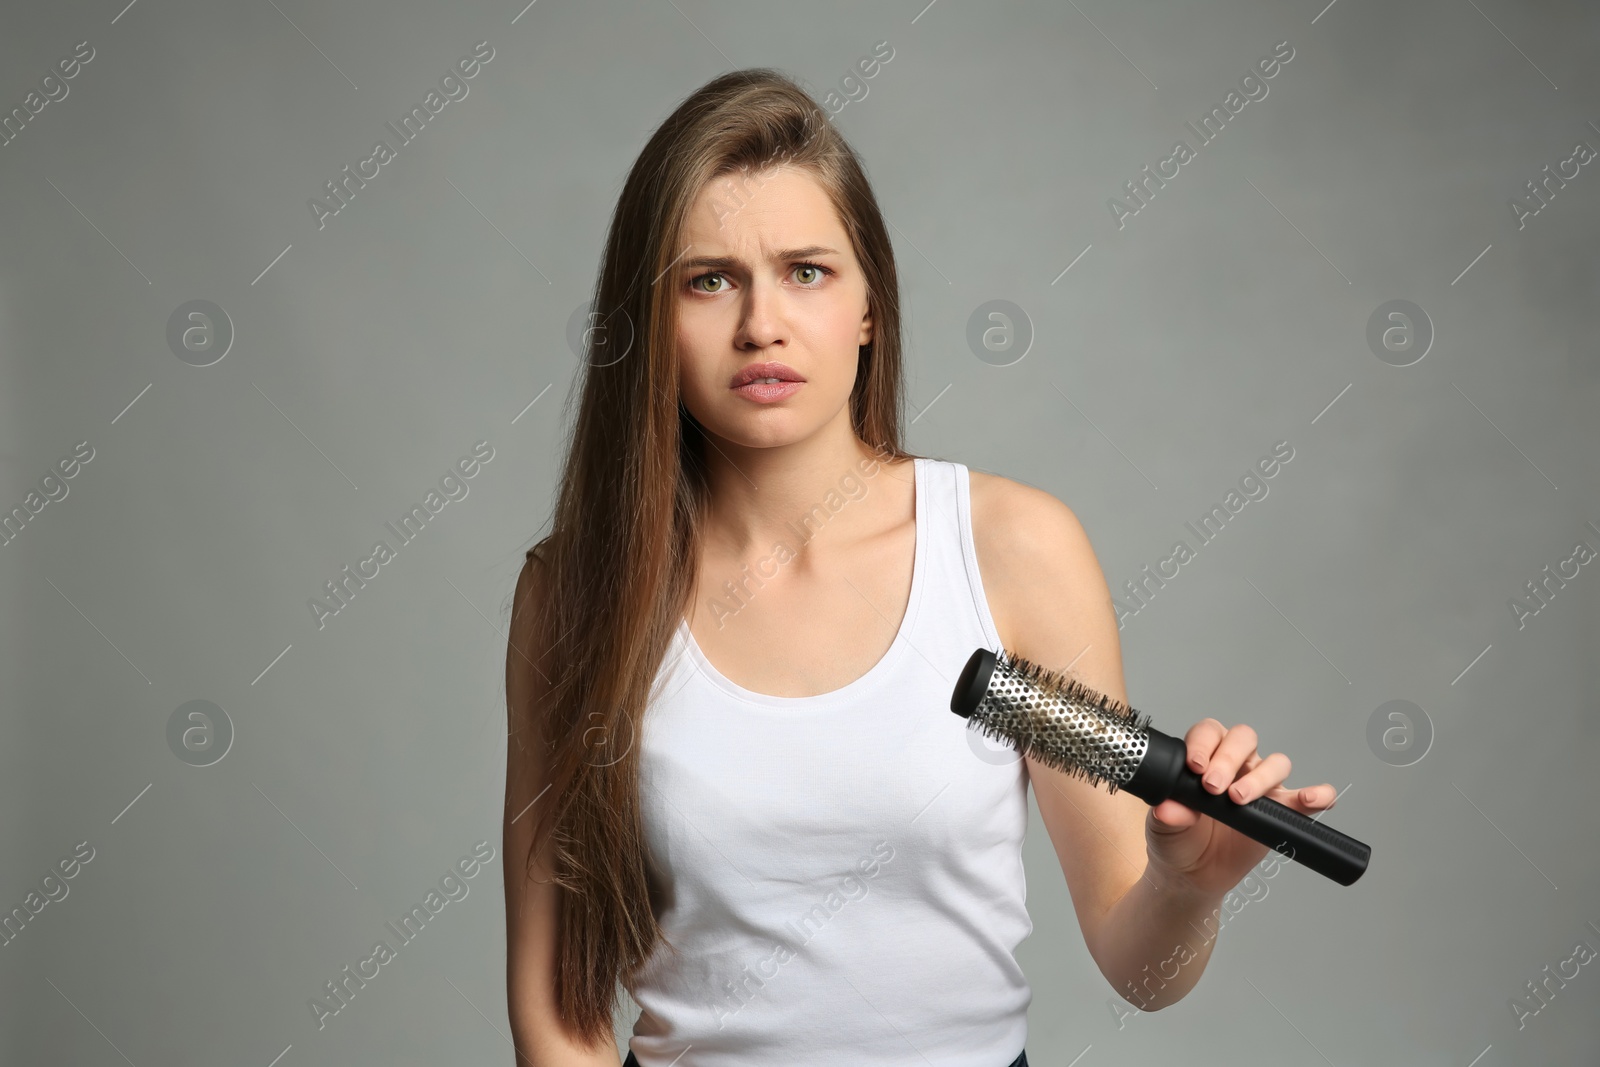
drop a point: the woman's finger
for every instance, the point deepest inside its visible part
(1202, 740)
(1314, 797)
(1171, 816)
(1267, 774)
(1238, 744)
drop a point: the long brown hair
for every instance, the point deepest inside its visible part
(623, 546)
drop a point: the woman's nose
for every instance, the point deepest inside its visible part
(761, 319)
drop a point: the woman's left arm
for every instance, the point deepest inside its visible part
(1145, 881)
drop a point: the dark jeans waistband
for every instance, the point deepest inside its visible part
(1020, 1061)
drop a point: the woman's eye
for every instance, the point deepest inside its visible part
(815, 271)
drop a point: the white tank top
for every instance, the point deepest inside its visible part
(841, 874)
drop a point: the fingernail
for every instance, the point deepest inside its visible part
(1239, 794)
(1214, 784)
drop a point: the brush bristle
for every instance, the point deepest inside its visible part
(1074, 690)
(1085, 734)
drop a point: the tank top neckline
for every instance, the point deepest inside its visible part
(921, 507)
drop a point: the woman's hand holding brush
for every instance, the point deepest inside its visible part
(1188, 848)
(1208, 824)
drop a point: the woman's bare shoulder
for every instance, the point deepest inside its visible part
(1030, 544)
(1017, 516)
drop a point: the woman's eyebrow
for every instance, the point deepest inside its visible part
(780, 256)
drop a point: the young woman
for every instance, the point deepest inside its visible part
(734, 784)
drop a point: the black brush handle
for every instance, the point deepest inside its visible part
(1165, 775)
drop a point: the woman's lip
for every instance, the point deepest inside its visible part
(767, 392)
(769, 369)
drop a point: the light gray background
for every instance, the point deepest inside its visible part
(1228, 315)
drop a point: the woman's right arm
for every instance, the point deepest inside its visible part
(532, 903)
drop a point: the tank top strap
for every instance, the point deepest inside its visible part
(953, 595)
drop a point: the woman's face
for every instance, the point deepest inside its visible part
(768, 275)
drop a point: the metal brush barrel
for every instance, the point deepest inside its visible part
(1068, 726)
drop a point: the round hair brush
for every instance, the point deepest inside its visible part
(1065, 724)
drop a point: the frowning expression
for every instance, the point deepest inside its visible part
(768, 276)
